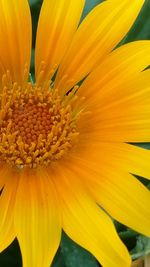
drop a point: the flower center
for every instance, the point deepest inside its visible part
(31, 120)
(37, 127)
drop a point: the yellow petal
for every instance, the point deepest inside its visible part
(124, 197)
(37, 222)
(113, 188)
(123, 157)
(119, 112)
(86, 223)
(3, 175)
(127, 157)
(114, 75)
(57, 24)
(15, 38)
(130, 126)
(7, 202)
(98, 34)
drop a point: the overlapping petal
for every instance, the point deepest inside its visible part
(15, 38)
(113, 188)
(118, 94)
(97, 35)
(128, 122)
(3, 175)
(121, 156)
(125, 198)
(37, 221)
(57, 24)
(7, 202)
(111, 77)
(86, 223)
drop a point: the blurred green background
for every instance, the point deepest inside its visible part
(69, 254)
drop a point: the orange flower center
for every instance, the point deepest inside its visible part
(32, 120)
(37, 126)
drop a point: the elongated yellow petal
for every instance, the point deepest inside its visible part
(7, 202)
(125, 198)
(15, 38)
(36, 219)
(132, 126)
(121, 156)
(3, 175)
(127, 157)
(57, 24)
(112, 76)
(121, 112)
(113, 188)
(86, 223)
(99, 33)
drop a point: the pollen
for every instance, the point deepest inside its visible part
(37, 126)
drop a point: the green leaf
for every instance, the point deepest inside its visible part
(58, 260)
(141, 28)
(89, 5)
(144, 145)
(142, 247)
(75, 256)
(33, 2)
(11, 257)
(129, 238)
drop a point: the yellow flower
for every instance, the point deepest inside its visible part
(65, 158)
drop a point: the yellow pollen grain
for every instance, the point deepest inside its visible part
(37, 126)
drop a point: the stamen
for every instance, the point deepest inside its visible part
(37, 126)
(42, 77)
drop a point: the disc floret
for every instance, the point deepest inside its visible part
(37, 126)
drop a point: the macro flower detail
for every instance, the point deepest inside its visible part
(66, 155)
(37, 127)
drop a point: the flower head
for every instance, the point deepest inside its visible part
(65, 158)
